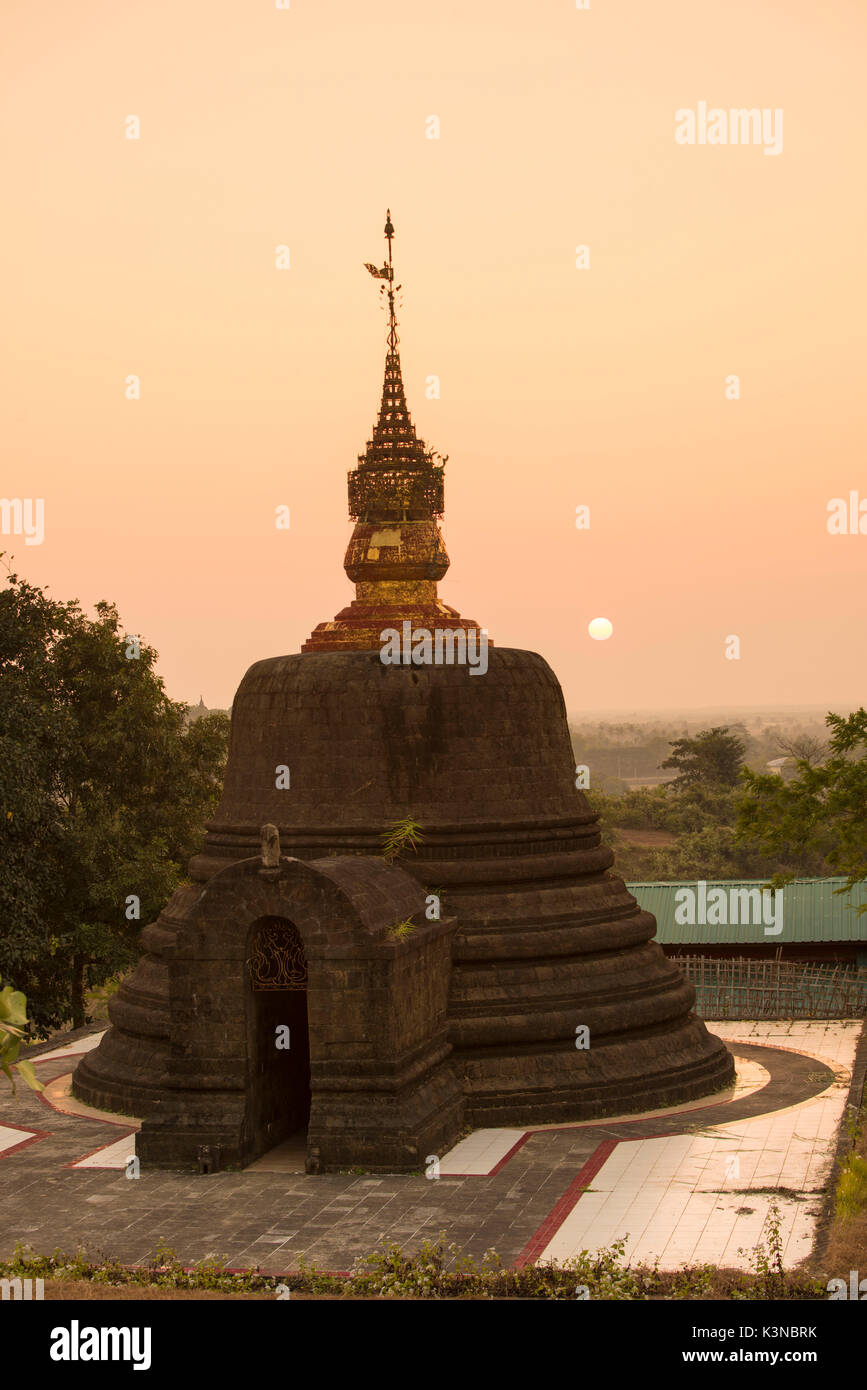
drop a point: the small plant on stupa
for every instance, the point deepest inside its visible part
(403, 835)
(400, 931)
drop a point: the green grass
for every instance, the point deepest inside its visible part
(851, 1196)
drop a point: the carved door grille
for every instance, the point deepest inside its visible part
(277, 959)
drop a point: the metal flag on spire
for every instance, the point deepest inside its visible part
(392, 321)
(387, 274)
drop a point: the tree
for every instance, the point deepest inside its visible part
(104, 791)
(820, 815)
(804, 748)
(819, 818)
(33, 727)
(712, 852)
(712, 759)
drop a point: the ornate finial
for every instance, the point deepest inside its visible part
(392, 321)
(387, 274)
(397, 478)
(396, 555)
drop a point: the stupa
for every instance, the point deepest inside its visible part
(403, 920)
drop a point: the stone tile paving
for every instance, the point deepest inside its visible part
(529, 1206)
(705, 1198)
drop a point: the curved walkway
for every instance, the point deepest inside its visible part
(688, 1184)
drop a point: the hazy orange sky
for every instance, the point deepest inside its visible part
(262, 127)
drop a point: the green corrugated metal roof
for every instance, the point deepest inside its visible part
(812, 911)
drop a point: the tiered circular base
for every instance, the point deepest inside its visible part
(549, 941)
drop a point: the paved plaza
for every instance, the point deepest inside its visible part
(692, 1184)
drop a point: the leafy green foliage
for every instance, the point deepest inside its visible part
(104, 791)
(712, 759)
(762, 827)
(711, 853)
(439, 1270)
(703, 820)
(769, 1279)
(663, 808)
(820, 815)
(13, 1029)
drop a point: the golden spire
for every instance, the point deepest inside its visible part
(396, 478)
(396, 554)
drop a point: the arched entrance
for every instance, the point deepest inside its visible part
(278, 1042)
(273, 942)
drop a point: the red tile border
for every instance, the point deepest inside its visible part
(501, 1162)
(567, 1203)
(34, 1135)
(507, 1156)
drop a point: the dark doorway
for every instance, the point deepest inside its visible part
(278, 1043)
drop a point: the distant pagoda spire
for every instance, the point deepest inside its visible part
(396, 555)
(396, 478)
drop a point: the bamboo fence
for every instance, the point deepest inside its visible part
(741, 988)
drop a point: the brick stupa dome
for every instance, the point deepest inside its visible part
(537, 938)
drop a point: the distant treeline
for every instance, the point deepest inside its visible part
(722, 812)
(616, 753)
